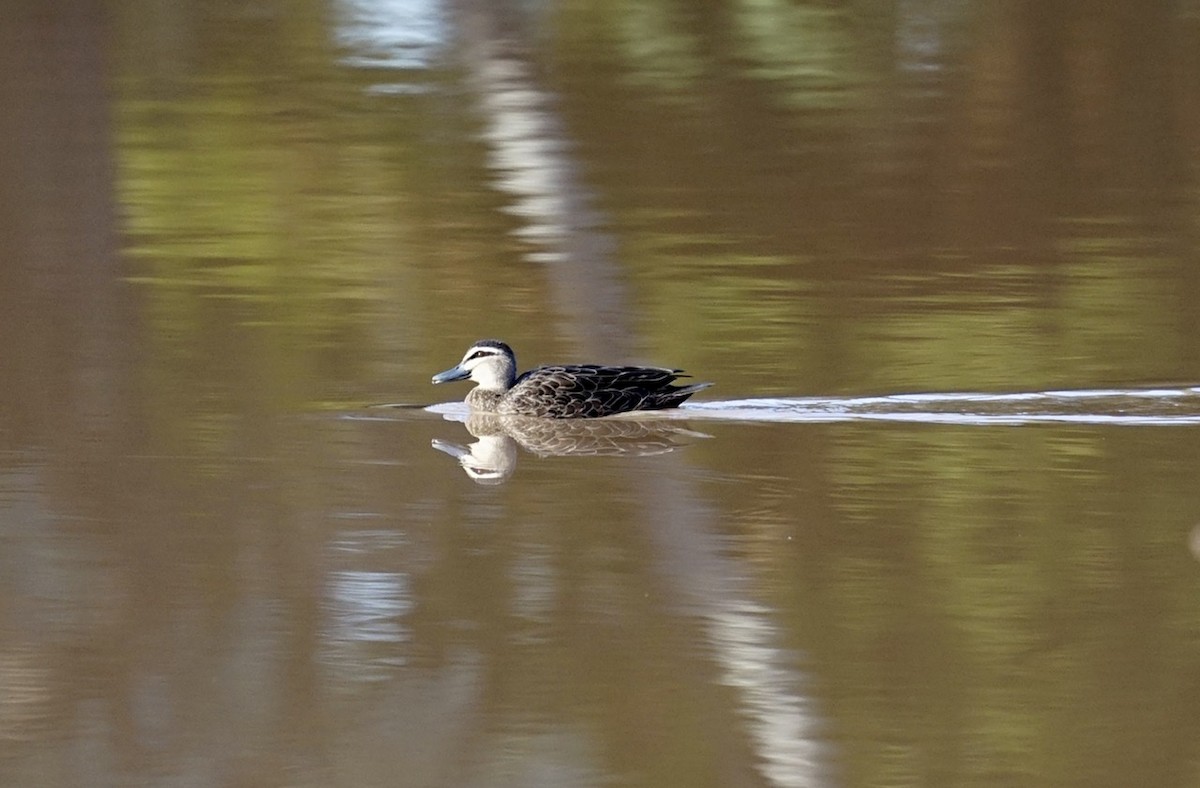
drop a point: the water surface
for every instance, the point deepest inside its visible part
(935, 524)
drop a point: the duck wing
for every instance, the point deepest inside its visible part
(591, 390)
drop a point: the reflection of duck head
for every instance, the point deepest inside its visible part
(489, 460)
(493, 457)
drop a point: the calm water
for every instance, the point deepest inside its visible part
(937, 523)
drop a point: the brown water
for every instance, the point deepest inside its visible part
(228, 228)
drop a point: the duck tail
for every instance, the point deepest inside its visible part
(675, 396)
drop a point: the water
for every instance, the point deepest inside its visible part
(936, 523)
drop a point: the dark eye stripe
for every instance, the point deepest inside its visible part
(480, 354)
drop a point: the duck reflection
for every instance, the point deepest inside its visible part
(492, 458)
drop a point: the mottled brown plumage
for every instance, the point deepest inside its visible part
(567, 391)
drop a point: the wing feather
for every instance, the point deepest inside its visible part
(590, 390)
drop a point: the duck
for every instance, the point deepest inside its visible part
(563, 391)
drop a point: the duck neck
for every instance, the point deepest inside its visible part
(484, 400)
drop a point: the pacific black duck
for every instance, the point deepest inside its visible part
(563, 391)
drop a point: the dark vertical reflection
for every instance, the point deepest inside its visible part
(66, 397)
(64, 312)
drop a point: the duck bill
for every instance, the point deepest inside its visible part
(454, 373)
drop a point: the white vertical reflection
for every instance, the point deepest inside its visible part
(534, 163)
(365, 607)
(768, 683)
(768, 678)
(368, 606)
(390, 37)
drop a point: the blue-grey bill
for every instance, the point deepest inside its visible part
(454, 373)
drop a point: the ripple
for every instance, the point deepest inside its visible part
(1132, 407)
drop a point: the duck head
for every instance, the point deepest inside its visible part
(489, 362)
